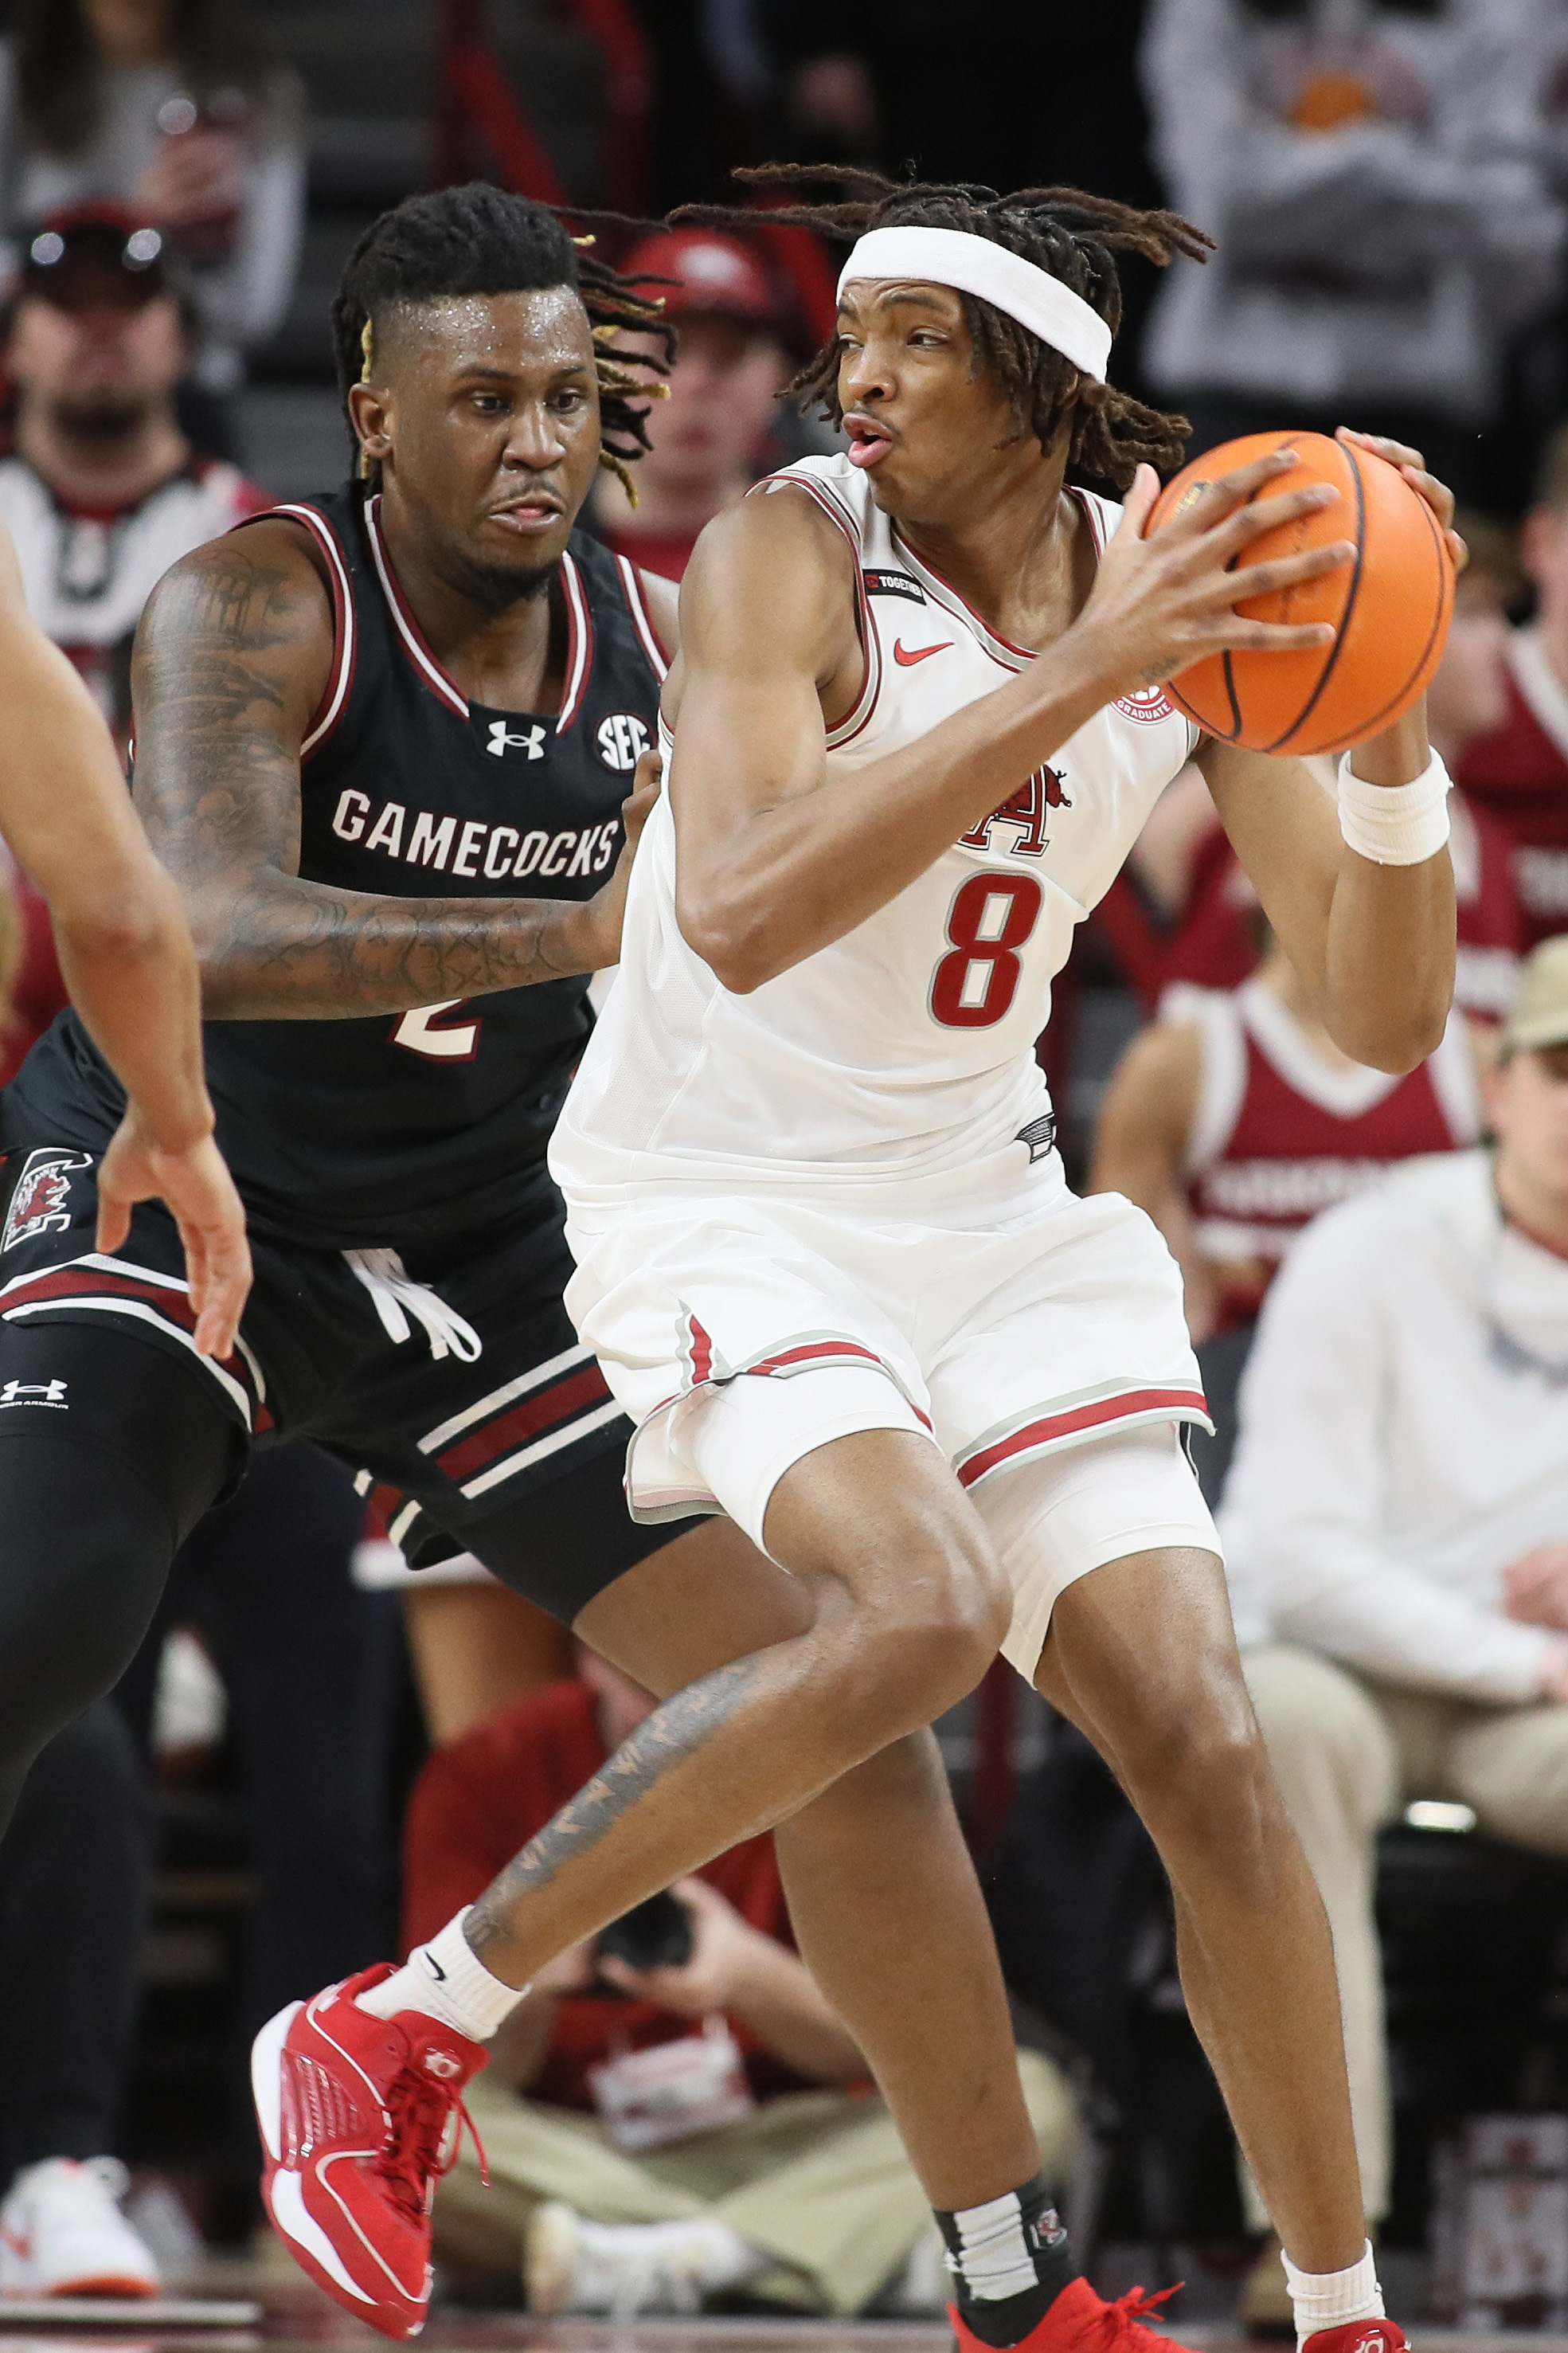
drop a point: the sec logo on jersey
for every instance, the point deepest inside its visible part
(622, 738)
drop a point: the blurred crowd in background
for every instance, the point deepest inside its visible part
(316, 1742)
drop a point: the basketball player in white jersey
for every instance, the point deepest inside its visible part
(825, 1252)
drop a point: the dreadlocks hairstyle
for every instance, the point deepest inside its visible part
(1073, 236)
(480, 240)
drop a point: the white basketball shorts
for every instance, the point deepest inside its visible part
(1042, 1346)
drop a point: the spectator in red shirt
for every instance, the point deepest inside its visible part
(1518, 770)
(710, 437)
(655, 2134)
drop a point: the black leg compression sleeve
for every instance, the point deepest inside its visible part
(111, 1450)
(76, 1874)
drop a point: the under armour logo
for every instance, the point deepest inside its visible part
(441, 2063)
(502, 741)
(33, 1393)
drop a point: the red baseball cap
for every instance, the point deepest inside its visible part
(712, 275)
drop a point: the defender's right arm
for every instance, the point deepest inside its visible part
(232, 661)
(774, 864)
(126, 957)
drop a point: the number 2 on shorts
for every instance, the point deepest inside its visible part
(991, 917)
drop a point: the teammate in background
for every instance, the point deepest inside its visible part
(1233, 1121)
(708, 440)
(1518, 770)
(820, 1222)
(383, 742)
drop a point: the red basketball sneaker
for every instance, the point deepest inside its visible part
(1358, 2336)
(359, 2117)
(1081, 2322)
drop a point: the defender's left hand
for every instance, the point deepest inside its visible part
(604, 911)
(1412, 466)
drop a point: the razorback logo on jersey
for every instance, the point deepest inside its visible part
(41, 1202)
(1027, 810)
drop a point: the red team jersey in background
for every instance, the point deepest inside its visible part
(1519, 775)
(1279, 1136)
(1215, 944)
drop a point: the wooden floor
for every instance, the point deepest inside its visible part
(251, 2310)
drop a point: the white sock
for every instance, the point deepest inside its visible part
(447, 1979)
(1334, 2299)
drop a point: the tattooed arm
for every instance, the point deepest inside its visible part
(231, 662)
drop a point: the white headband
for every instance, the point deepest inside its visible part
(950, 257)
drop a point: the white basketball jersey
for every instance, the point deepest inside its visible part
(906, 1048)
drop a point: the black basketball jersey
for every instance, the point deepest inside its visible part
(391, 1129)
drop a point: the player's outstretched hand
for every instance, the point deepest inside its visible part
(1412, 466)
(198, 1190)
(1164, 602)
(609, 906)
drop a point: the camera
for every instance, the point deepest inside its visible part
(655, 1934)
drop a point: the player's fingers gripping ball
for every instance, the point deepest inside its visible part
(1390, 606)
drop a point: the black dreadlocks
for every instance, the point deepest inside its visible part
(1074, 235)
(480, 240)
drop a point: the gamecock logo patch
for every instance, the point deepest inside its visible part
(41, 1202)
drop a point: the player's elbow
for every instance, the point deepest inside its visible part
(1397, 1039)
(129, 922)
(732, 939)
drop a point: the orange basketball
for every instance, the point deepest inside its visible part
(1391, 606)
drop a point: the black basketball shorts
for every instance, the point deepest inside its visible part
(448, 1380)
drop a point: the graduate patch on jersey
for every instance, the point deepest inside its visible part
(1146, 705)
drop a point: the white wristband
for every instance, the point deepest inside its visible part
(1396, 825)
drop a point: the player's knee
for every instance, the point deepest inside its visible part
(935, 1625)
(1199, 1772)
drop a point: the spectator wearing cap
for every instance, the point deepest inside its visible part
(1396, 1522)
(710, 437)
(103, 491)
(171, 107)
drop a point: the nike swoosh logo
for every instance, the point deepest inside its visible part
(907, 655)
(434, 1966)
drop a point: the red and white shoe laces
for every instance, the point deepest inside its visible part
(359, 2117)
(1079, 2321)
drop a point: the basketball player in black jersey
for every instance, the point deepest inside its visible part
(383, 738)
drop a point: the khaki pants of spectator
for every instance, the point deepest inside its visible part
(1349, 1754)
(818, 2179)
